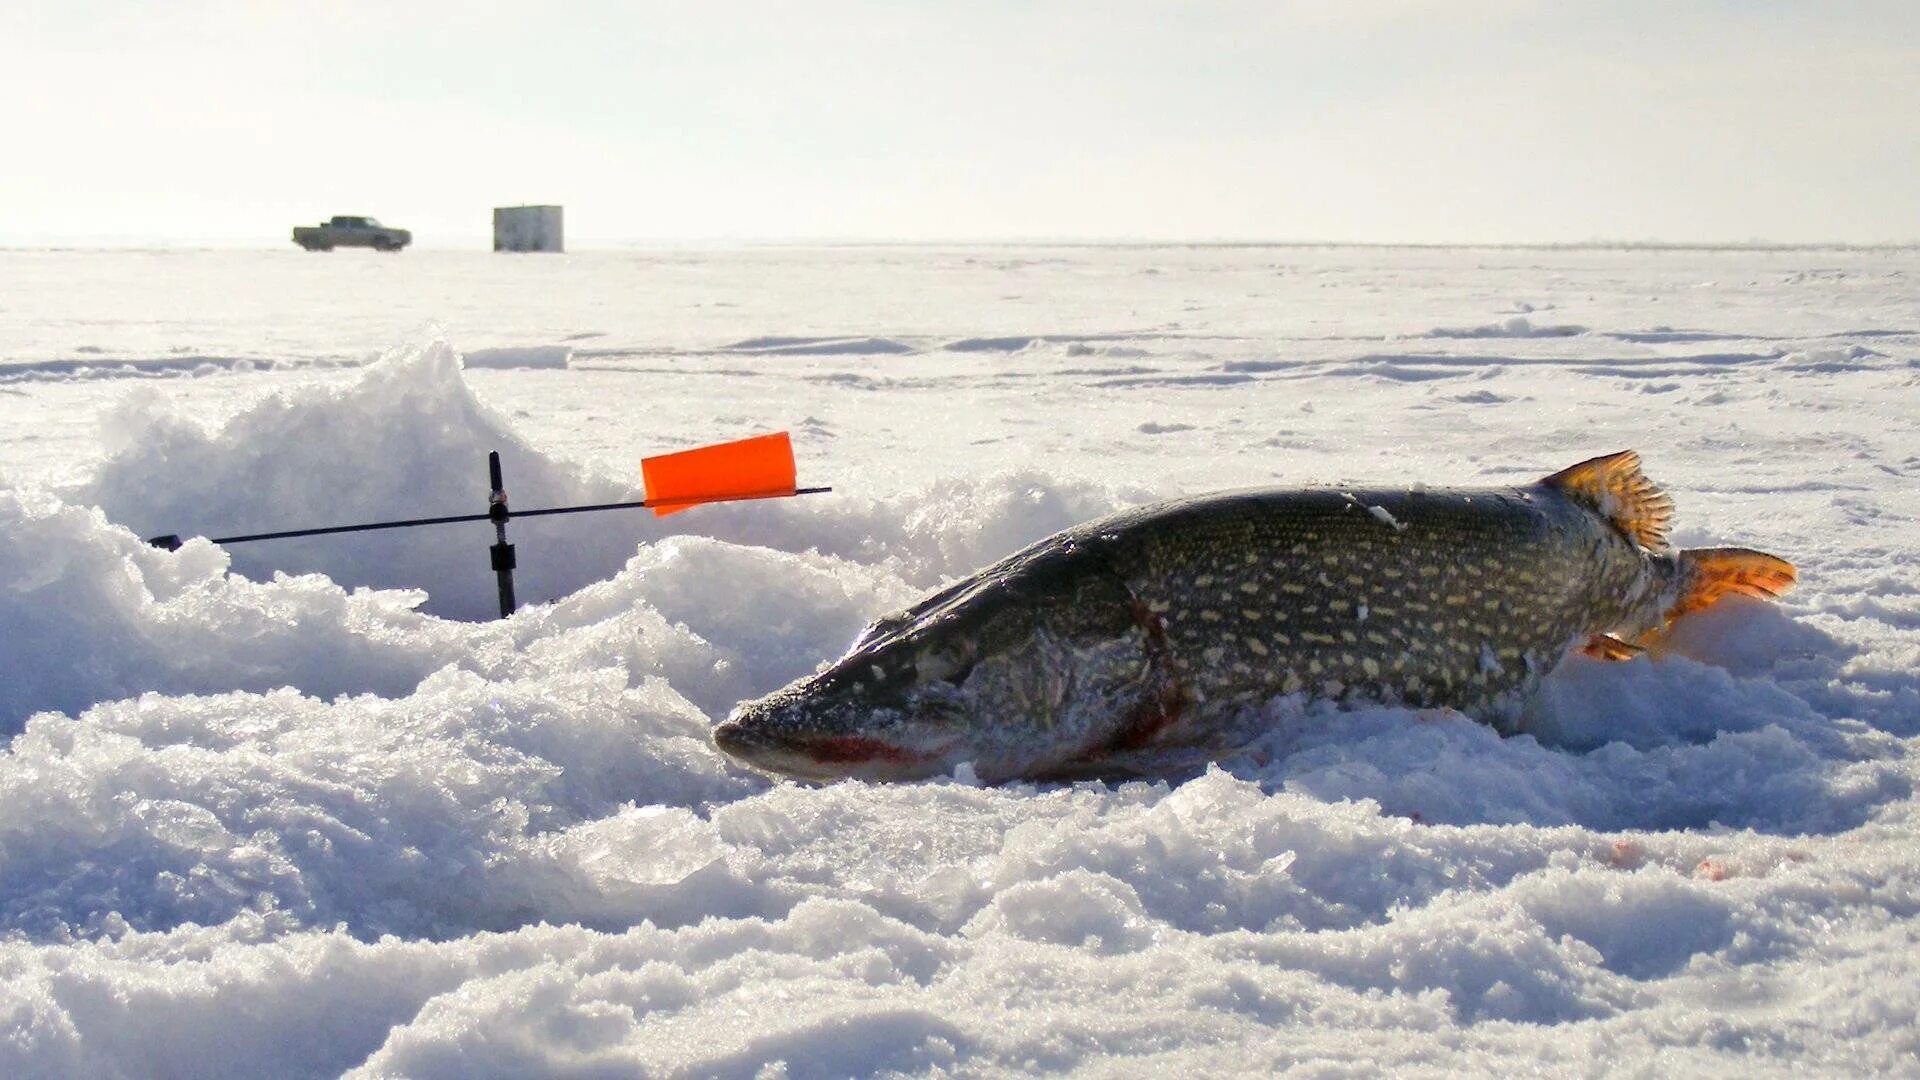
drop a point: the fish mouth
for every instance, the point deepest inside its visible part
(821, 757)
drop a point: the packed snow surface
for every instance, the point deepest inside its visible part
(302, 808)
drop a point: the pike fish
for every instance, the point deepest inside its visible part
(1165, 628)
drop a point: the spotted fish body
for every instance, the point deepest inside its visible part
(1455, 598)
(1165, 627)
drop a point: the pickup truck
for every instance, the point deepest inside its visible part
(351, 232)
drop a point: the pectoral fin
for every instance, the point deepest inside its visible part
(1608, 647)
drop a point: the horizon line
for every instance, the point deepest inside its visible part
(121, 242)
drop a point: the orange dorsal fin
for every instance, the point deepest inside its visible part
(757, 468)
(1708, 574)
(1617, 490)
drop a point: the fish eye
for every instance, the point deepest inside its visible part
(884, 678)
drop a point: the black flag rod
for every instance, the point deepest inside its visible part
(501, 552)
(172, 541)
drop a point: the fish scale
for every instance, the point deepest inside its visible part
(1163, 628)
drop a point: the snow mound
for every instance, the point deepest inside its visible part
(818, 346)
(527, 356)
(93, 614)
(408, 439)
(1519, 326)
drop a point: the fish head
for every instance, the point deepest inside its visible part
(1027, 663)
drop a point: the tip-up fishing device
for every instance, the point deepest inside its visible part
(757, 468)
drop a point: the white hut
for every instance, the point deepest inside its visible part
(527, 228)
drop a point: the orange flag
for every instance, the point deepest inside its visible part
(756, 468)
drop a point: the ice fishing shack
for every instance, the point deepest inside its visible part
(527, 228)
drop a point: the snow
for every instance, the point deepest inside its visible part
(1386, 518)
(522, 356)
(303, 808)
(1518, 326)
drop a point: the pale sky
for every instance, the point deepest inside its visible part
(1425, 121)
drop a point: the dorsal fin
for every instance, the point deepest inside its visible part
(1614, 487)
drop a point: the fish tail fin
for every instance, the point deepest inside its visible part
(1708, 574)
(1614, 487)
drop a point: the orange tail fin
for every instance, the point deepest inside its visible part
(757, 468)
(1707, 574)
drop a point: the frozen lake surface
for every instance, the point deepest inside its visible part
(301, 808)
